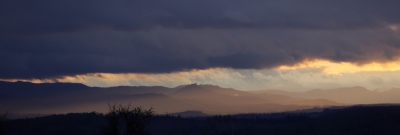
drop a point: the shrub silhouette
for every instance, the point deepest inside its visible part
(127, 120)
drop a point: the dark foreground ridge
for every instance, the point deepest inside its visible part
(356, 120)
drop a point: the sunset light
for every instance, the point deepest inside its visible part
(191, 67)
(344, 67)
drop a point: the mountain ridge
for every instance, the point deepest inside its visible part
(206, 98)
(347, 95)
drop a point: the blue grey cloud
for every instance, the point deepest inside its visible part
(50, 39)
(42, 16)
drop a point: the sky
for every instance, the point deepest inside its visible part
(248, 45)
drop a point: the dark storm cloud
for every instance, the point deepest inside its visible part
(42, 16)
(48, 39)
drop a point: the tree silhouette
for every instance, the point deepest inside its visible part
(113, 121)
(3, 126)
(127, 120)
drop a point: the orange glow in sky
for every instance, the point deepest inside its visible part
(343, 67)
(328, 74)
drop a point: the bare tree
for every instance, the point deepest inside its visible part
(113, 121)
(127, 120)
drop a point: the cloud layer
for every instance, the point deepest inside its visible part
(50, 39)
(300, 79)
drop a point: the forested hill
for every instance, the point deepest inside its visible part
(356, 120)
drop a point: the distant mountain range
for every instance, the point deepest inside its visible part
(31, 98)
(347, 95)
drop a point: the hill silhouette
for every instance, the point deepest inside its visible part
(346, 95)
(354, 120)
(30, 98)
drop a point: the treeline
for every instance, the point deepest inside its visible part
(357, 120)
